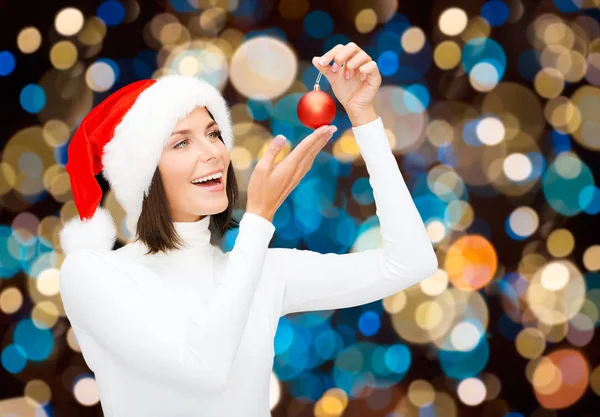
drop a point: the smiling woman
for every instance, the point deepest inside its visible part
(174, 197)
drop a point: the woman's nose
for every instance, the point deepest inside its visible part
(208, 151)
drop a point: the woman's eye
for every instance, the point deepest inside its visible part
(216, 132)
(179, 143)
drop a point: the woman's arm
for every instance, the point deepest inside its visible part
(315, 281)
(136, 322)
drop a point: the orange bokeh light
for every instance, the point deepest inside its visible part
(471, 262)
(573, 378)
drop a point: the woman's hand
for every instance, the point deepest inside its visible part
(270, 184)
(354, 77)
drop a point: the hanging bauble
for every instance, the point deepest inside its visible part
(316, 108)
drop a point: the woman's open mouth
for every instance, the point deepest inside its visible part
(211, 185)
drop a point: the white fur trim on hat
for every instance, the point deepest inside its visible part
(98, 233)
(131, 157)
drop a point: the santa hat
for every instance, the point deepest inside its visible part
(123, 137)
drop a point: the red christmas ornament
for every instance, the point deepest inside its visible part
(316, 108)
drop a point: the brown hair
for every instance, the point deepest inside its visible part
(155, 228)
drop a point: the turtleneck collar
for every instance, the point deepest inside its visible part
(196, 235)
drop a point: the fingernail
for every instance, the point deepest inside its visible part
(322, 61)
(279, 140)
(332, 129)
(334, 67)
(347, 75)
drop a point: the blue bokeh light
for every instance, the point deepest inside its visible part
(7, 63)
(32, 98)
(111, 12)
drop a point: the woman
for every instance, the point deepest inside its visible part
(170, 324)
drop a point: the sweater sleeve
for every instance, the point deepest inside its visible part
(133, 320)
(314, 281)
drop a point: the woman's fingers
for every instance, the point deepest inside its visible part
(304, 147)
(268, 159)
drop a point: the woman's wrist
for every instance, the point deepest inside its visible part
(262, 213)
(361, 117)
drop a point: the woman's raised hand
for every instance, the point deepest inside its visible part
(271, 183)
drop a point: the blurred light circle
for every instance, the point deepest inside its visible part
(452, 21)
(523, 221)
(591, 258)
(589, 199)
(572, 65)
(562, 380)
(32, 98)
(530, 343)
(549, 82)
(447, 55)
(63, 55)
(556, 292)
(560, 243)
(477, 27)
(555, 276)
(465, 336)
(484, 77)
(471, 391)
(490, 131)
(429, 315)
(400, 121)
(471, 262)
(413, 40)
(111, 12)
(68, 21)
(564, 181)
(459, 215)
(388, 63)
(587, 101)
(484, 50)
(563, 114)
(29, 40)
(435, 284)
(93, 32)
(517, 167)
(421, 393)
(592, 74)
(263, 68)
(318, 24)
(365, 20)
(7, 63)
(495, 12)
(440, 132)
(581, 330)
(100, 77)
(436, 230)
(416, 98)
(85, 390)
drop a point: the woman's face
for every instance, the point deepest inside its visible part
(193, 151)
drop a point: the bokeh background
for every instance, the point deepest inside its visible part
(492, 110)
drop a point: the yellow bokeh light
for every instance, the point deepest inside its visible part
(447, 55)
(29, 40)
(560, 243)
(549, 82)
(413, 40)
(365, 21)
(452, 21)
(591, 258)
(68, 21)
(63, 55)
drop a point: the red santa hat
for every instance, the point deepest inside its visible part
(123, 137)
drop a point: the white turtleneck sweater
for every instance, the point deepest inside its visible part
(190, 333)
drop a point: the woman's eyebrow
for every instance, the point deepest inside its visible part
(187, 131)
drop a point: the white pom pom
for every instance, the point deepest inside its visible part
(97, 233)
